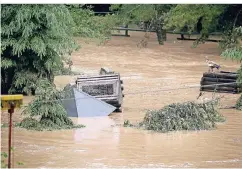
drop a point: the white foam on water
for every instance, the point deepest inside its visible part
(224, 161)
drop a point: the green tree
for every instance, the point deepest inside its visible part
(88, 25)
(224, 18)
(35, 39)
(232, 49)
(205, 19)
(154, 15)
(194, 18)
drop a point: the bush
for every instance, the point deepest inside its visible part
(181, 116)
(238, 105)
(44, 124)
(47, 106)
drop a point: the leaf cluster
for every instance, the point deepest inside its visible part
(181, 116)
(35, 38)
(46, 111)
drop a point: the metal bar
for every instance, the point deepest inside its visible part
(98, 76)
(97, 81)
(10, 111)
(91, 78)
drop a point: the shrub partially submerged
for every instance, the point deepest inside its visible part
(46, 124)
(181, 116)
(48, 108)
(238, 105)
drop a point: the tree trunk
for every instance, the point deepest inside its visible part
(126, 31)
(3, 82)
(159, 37)
(161, 34)
(50, 77)
(6, 80)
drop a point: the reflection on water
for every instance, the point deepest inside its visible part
(94, 127)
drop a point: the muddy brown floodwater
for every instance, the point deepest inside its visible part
(103, 144)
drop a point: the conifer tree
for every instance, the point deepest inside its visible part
(35, 38)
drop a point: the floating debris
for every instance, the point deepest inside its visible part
(181, 116)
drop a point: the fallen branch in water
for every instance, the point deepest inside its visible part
(181, 116)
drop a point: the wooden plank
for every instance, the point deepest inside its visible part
(210, 79)
(228, 72)
(220, 91)
(221, 75)
(218, 88)
(235, 85)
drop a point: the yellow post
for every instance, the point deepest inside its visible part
(10, 102)
(6, 100)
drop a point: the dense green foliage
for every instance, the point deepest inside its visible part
(90, 26)
(206, 19)
(35, 39)
(46, 111)
(190, 16)
(232, 44)
(135, 13)
(194, 18)
(152, 16)
(38, 39)
(181, 116)
(36, 43)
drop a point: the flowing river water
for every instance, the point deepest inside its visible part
(104, 143)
